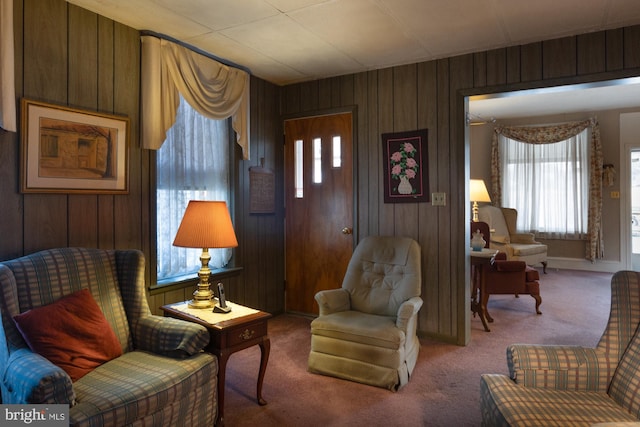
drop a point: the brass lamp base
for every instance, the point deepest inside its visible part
(203, 297)
(200, 303)
(475, 212)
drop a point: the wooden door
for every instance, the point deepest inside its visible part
(319, 206)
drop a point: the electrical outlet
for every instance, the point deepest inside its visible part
(439, 199)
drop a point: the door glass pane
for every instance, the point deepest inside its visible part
(298, 169)
(336, 152)
(635, 201)
(317, 160)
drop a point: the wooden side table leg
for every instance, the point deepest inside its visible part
(223, 356)
(483, 298)
(265, 348)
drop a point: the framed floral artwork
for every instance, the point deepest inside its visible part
(406, 176)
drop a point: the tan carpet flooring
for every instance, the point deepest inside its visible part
(444, 388)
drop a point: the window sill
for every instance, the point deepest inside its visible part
(179, 282)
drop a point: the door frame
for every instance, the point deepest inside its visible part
(627, 144)
(354, 166)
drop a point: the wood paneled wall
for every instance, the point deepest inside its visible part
(431, 95)
(70, 56)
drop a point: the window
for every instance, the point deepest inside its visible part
(192, 164)
(548, 184)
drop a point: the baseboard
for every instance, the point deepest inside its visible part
(603, 266)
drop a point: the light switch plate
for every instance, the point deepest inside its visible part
(439, 199)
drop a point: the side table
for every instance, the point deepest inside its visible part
(241, 328)
(480, 260)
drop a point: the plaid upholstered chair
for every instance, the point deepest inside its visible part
(570, 385)
(116, 364)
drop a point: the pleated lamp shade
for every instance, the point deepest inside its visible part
(206, 224)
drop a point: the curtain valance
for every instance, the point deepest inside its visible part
(213, 89)
(553, 134)
(7, 73)
(544, 134)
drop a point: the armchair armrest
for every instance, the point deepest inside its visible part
(407, 311)
(560, 367)
(502, 247)
(169, 336)
(333, 301)
(31, 378)
(508, 266)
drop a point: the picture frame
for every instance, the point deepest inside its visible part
(262, 190)
(405, 167)
(68, 150)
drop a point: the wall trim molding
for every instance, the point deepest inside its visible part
(603, 266)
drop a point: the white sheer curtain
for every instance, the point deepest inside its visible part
(192, 164)
(215, 90)
(548, 184)
(594, 247)
(7, 78)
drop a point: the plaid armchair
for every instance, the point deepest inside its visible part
(162, 377)
(571, 385)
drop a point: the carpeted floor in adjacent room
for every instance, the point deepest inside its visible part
(444, 388)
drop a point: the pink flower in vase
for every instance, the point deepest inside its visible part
(403, 164)
(408, 147)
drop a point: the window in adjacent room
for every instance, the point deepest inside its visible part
(548, 184)
(192, 164)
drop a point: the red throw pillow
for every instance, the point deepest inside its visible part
(71, 332)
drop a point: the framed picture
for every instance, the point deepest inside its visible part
(262, 190)
(66, 150)
(404, 157)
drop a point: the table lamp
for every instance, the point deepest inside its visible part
(478, 193)
(205, 224)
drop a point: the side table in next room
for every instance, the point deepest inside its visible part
(241, 328)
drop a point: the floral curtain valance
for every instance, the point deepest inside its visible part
(215, 90)
(7, 77)
(552, 134)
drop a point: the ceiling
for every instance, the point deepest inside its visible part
(288, 41)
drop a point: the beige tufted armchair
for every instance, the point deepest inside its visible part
(366, 330)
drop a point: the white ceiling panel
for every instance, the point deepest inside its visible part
(455, 26)
(220, 14)
(290, 44)
(291, 5)
(144, 14)
(529, 21)
(362, 30)
(287, 41)
(622, 13)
